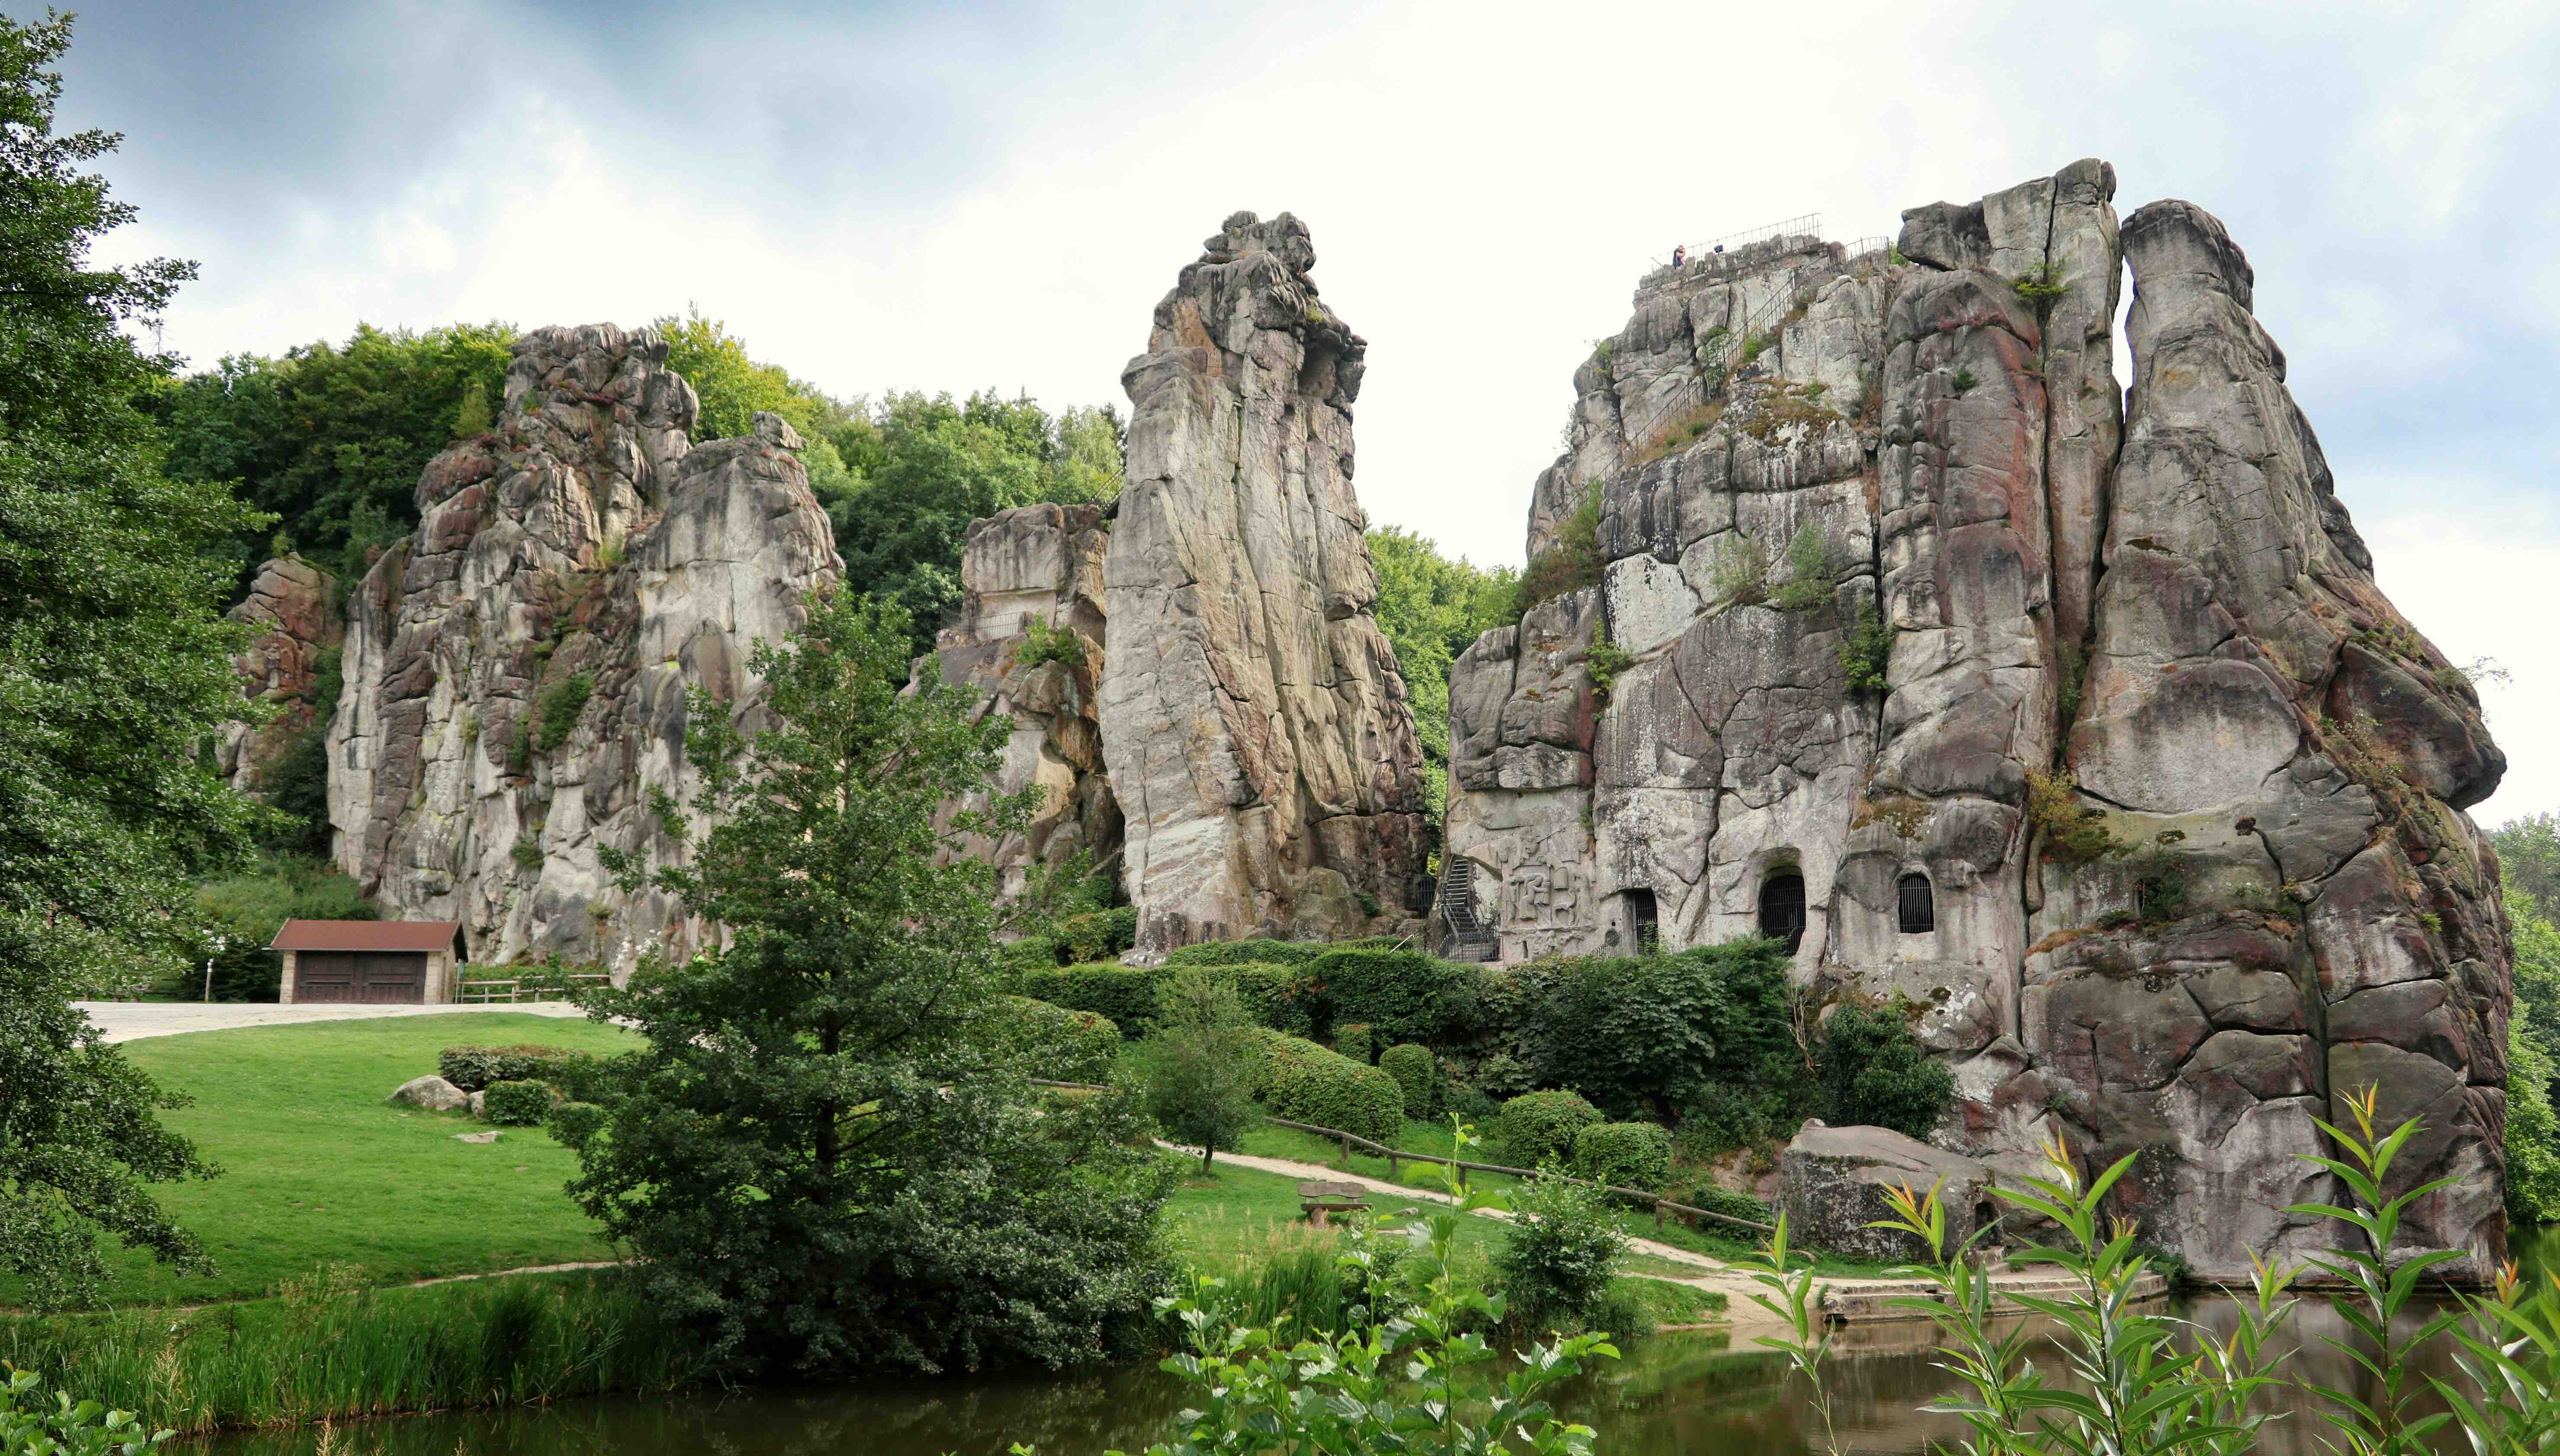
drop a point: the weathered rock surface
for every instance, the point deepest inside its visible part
(435, 1094)
(516, 671)
(1040, 565)
(2161, 612)
(1833, 1183)
(1253, 722)
(294, 606)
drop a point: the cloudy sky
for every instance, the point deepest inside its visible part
(994, 196)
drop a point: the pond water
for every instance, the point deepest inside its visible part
(1674, 1393)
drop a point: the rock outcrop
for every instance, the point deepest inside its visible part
(1029, 641)
(1833, 1181)
(516, 671)
(294, 606)
(1253, 721)
(2080, 729)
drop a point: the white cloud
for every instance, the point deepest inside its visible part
(959, 199)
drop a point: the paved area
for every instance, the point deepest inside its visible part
(125, 1021)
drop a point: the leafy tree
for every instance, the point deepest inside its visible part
(1876, 1074)
(821, 1156)
(921, 467)
(2533, 1063)
(1207, 1056)
(113, 664)
(2529, 846)
(1432, 609)
(331, 437)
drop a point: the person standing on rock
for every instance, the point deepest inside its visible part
(1679, 254)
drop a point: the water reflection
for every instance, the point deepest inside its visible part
(1677, 1393)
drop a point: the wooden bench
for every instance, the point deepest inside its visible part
(1322, 1201)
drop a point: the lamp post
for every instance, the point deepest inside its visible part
(218, 942)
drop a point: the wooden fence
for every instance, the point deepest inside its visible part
(1397, 1157)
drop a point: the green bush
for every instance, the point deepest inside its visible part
(1645, 1036)
(247, 909)
(1541, 1126)
(1274, 996)
(1571, 563)
(518, 1103)
(1404, 996)
(1097, 936)
(1054, 1042)
(1721, 1120)
(31, 1425)
(574, 1124)
(1306, 1083)
(1043, 642)
(1624, 1154)
(474, 1068)
(1558, 1255)
(1418, 1074)
(1126, 996)
(1876, 1075)
(561, 702)
(1355, 1040)
(1717, 1199)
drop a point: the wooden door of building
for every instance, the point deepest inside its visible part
(373, 976)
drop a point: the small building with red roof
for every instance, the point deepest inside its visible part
(370, 960)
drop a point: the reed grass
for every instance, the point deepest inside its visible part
(330, 1349)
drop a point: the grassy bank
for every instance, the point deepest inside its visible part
(318, 1169)
(329, 1348)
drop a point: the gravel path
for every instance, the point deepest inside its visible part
(125, 1021)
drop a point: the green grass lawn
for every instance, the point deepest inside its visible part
(319, 1168)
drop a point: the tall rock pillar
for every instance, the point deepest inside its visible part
(1253, 719)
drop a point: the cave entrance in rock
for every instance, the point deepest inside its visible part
(1916, 908)
(1644, 921)
(1782, 908)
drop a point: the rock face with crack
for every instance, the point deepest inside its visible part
(1253, 721)
(2078, 725)
(293, 605)
(1029, 641)
(516, 671)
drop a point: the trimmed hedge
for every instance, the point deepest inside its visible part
(1268, 953)
(1357, 1042)
(474, 1069)
(1274, 997)
(1096, 936)
(1126, 997)
(516, 1103)
(1306, 1083)
(1624, 1154)
(1539, 1127)
(1717, 1199)
(1415, 1071)
(1404, 996)
(1055, 1042)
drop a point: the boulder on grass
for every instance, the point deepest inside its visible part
(435, 1094)
(1833, 1183)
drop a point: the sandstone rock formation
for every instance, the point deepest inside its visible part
(2081, 728)
(1253, 721)
(516, 671)
(294, 606)
(1030, 641)
(1833, 1183)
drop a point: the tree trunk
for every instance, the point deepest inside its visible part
(1208, 1151)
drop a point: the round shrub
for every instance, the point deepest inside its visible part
(518, 1103)
(575, 1124)
(1624, 1154)
(1417, 1073)
(1876, 1074)
(1539, 1127)
(1305, 1083)
(1717, 1199)
(1099, 936)
(475, 1068)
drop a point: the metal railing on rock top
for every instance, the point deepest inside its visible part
(1395, 1157)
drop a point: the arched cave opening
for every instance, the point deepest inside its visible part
(1916, 905)
(1644, 921)
(1782, 908)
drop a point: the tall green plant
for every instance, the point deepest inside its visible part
(1410, 1375)
(1200, 1088)
(821, 1158)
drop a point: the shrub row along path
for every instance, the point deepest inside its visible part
(1854, 1301)
(125, 1021)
